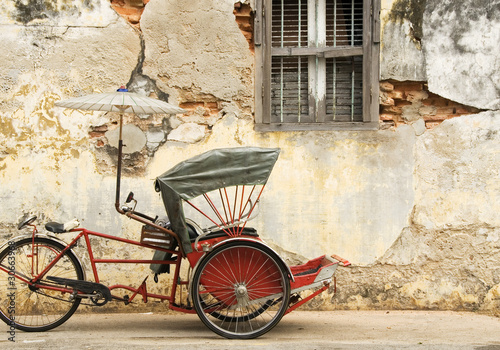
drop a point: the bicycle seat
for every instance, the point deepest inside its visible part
(55, 227)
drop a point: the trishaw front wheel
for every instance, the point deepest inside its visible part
(241, 290)
(33, 308)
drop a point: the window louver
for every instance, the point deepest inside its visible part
(316, 68)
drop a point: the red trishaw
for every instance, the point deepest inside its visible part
(237, 285)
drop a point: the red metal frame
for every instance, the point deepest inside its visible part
(142, 290)
(306, 299)
(298, 271)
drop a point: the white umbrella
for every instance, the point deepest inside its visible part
(121, 101)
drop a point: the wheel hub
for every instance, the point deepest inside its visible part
(241, 293)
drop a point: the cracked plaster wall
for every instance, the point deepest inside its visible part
(415, 210)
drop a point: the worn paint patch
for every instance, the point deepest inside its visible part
(6, 127)
(34, 12)
(31, 10)
(413, 11)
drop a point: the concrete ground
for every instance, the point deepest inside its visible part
(298, 330)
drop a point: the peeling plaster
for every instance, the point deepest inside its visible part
(455, 52)
(187, 132)
(461, 45)
(454, 269)
(134, 138)
(200, 57)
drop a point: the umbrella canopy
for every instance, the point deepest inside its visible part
(120, 101)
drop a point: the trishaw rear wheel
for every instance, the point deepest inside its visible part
(241, 290)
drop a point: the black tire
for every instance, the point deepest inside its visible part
(241, 290)
(244, 317)
(36, 309)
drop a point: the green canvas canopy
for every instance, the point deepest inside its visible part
(210, 171)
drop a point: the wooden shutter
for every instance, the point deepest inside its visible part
(316, 64)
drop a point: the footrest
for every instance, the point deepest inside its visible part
(308, 272)
(315, 273)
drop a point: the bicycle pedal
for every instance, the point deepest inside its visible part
(295, 298)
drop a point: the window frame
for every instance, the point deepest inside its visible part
(371, 63)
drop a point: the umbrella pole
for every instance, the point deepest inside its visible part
(119, 168)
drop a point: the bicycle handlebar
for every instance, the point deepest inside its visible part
(127, 210)
(147, 217)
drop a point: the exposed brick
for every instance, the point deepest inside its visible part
(386, 116)
(200, 105)
(131, 10)
(244, 23)
(431, 125)
(427, 110)
(414, 96)
(191, 105)
(98, 131)
(422, 104)
(446, 110)
(396, 95)
(94, 135)
(387, 102)
(384, 125)
(137, 3)
(409, 86)
(244, 18)
(128, 11)
(248, 36)
(212, 105)
(242, 9)
(436, 102)
(392, 110)
(102, 128)
(435, 118)
(386, 86)
(402, 103)
(464, 110)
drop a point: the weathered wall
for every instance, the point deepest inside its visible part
(413, 205)
(438, 60)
